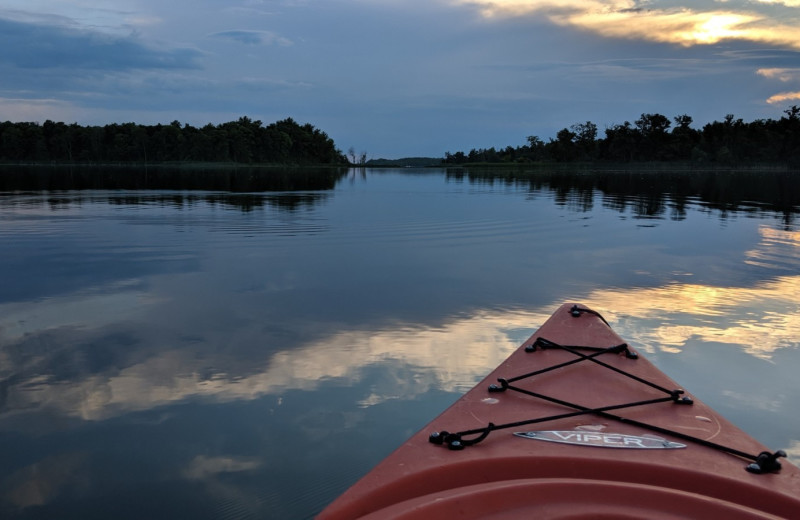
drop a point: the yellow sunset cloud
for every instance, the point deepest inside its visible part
(784, 75)
(686, 26)
(787, 3)
(783, 97)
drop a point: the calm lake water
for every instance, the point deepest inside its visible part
(240, 354)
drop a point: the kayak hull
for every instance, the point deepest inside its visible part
(496, 474)
(565, 498)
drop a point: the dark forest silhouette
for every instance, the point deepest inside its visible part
(652, 137)
(729, 142)
(244, 141)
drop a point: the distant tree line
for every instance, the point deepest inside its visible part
(243, 141)
(649, 138)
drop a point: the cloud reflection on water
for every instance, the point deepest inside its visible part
(88, 309)
(793, 452)
(458, 353)
(779, 249)
(758, 320)
(39, 483)
(203, 467)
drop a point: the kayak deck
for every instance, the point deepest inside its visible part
(576, 424)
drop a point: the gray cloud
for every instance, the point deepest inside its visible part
(253, 37)
(417, 77)
(35, 46)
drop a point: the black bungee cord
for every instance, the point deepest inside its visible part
(764, 462)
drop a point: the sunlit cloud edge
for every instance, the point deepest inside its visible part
(685, 26)
(783, 97)
(783, 75)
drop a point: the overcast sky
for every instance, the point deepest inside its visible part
(398, 78)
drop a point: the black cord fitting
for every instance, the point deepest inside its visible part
(677, 399)
(543, 344)
(766, 462)
(455, 445)
(437, 437)
(453, 441)
(577, 311)
(499, 388)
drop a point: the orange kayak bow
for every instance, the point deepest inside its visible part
(575, 424)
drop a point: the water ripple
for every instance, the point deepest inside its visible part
(779, 249)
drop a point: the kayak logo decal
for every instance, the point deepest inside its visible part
(602, 440)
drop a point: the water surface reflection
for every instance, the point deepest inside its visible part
(655, 192)
(452, 356)
(219, 355)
